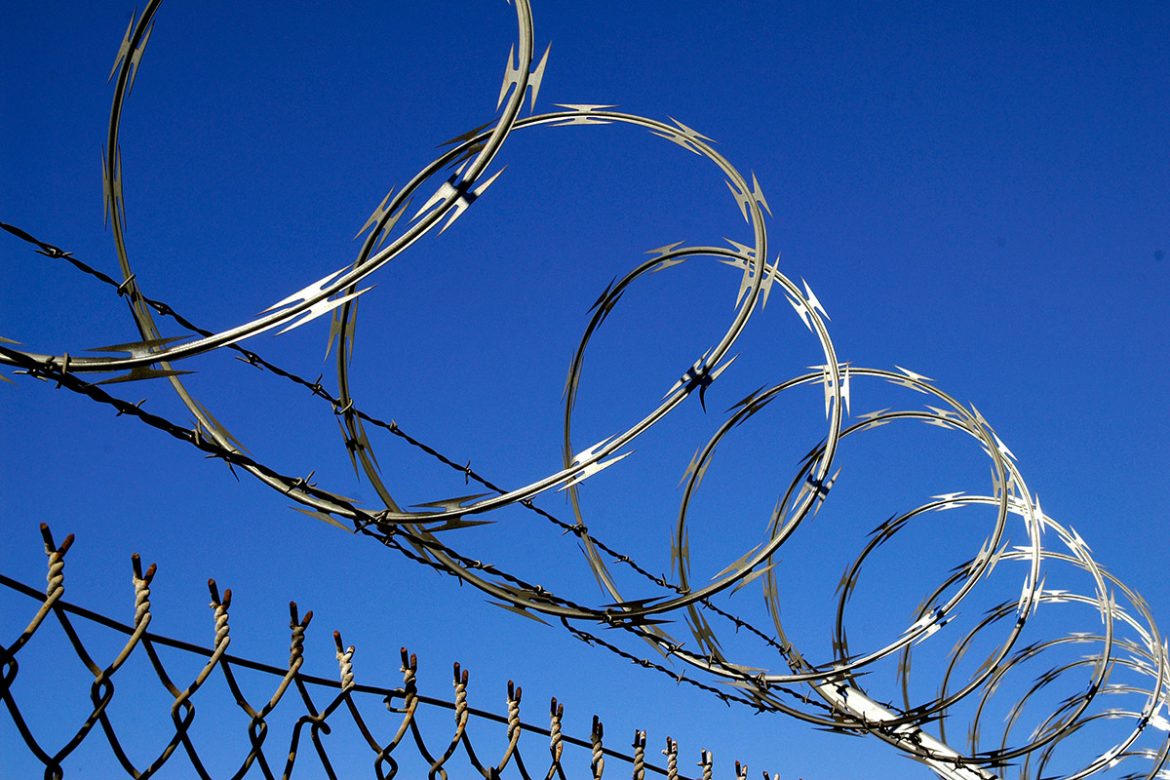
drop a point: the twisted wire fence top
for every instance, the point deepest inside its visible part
(397, 734)
(996, 670)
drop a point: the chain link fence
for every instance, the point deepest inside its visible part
(326, 727)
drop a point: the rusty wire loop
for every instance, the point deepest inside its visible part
(1127, 659)
(341, 695)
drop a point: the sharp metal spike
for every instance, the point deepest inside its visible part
(322, 307)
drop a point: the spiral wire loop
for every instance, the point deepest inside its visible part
(1127, 661)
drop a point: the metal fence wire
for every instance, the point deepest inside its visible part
(403, 732)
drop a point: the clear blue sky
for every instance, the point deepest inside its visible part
(980, 193)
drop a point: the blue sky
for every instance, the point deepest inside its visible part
(979, 193)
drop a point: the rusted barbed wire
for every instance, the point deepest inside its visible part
(339, 697)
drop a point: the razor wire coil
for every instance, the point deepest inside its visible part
(827, 694)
